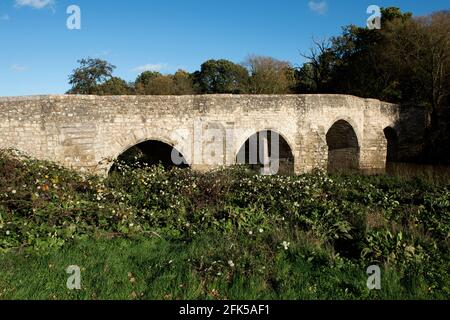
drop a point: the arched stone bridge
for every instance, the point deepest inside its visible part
(82, 131)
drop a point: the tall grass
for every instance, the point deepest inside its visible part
(431, 173)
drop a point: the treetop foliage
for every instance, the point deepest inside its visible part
(90, 74)
(407, 61)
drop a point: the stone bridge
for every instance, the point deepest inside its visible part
(209, 131)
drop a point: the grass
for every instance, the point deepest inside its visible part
(149, 233)
(153, 268)
(427, 172)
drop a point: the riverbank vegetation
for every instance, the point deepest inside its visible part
(149, 233)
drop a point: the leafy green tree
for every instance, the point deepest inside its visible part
(407, 61)
(270, 76)
(183, 83)
(394, 13)
(354, 62)
(154, 83)
(420, 57)
(222, 76)
(113, 86)
(161, 85)
(419, 53)
(144, 82)
(90, 74)
(316, 75)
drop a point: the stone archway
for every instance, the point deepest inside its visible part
(392, 144)
(343, 147)
(151, 153)
(117, 145)
(267, 149)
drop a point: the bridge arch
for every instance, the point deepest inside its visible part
(153, 152)
(250, 151)
(149, 137)
(392, 144)
(343, 147)
(353, 123)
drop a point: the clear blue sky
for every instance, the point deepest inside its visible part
(38, 52)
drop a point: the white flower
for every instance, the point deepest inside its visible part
(250, 232)
(14, 192)
(261, 230)
(286, 245)
(8, 233)
(231, 263)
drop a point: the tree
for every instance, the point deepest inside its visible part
(356, 62)
(154, 83)
(407, 62)
(144, 81)
(89, 74)
(160, 85)
(315, 76)
(306, 81)
(438, 27)
(183, 83)
(364, 65)
(269, 76)
(420, 55)
(222, 76)
(113, 86)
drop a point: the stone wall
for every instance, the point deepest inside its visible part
(81, 132)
